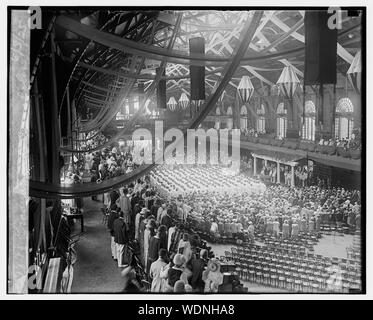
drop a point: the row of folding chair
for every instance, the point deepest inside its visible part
(311, 273)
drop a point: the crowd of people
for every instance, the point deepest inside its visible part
(303, 175)
(279, 210)
(93, 139)
(159, 221)
(352, 143)
(348, 144)
(250, 132)
(185, 179)
(166, 230)
(173, 258)
(101, 165)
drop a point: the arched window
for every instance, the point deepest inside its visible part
(308, 129)
(344, 121)
(229, 120)
(243, 118)
(217, 119)
(261, 120)
(282, 122)
(229, 111)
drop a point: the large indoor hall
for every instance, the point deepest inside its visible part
(194, 152)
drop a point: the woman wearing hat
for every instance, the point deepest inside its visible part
(139, 217)
(141, 231)
(173, 273)
(184, 247)
(179, 287)
(197, 267)
(158, 283)
(212, 276)
(148, 233)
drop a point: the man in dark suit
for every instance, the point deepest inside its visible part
(197, 266)
(166, 218)
(114, 195)
(110, 225)
(120, 238)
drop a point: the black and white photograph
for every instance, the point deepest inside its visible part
(162, 150)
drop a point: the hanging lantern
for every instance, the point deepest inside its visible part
(172, 104)
(354, 72)
(245, 89)
(184, 101)
(288, 82)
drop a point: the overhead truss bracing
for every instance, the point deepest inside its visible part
(103, 58)
(42, 190)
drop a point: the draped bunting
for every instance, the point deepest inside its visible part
(233, 63)
(354, 72)
(288, 82)
(198, 103)
(172, 104)
(184, 101)
(245, 89)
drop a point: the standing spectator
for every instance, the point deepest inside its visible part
(158, 283)
(285, 229)
(174, 272)
(294, 230)
(110, 224)
(124, 203)
(114, 196)
(120, 238)
(185, 248)
(163, 236)
(154, 208)
(107, 199)
(140, 216)
(276, 228)
(148, 233)
(179, 286)
(166, 219)
(197, 266)
(142, 227)
(160, 211)
(154, 247)
(251, 231)
(358, 221)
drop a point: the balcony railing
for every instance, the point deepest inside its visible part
(352, 152)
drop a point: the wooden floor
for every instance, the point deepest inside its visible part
(96, 272)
